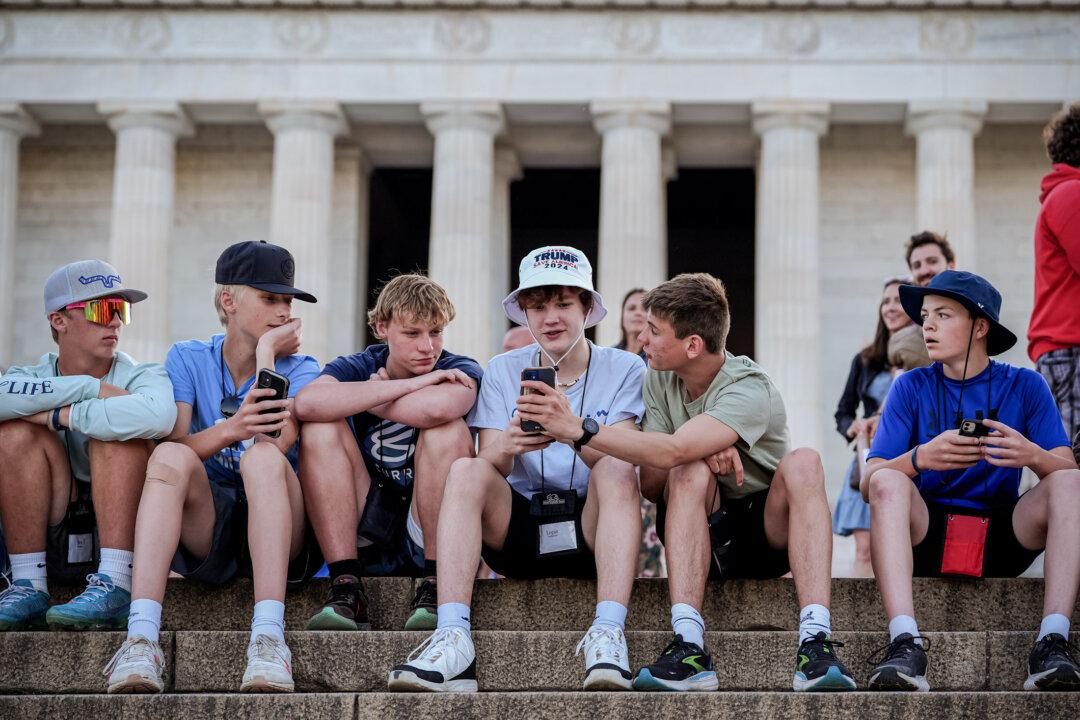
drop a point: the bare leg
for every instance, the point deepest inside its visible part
(335, 485)
(275, 517)
(35, 484)
(436, 451)
(691, 496)
(475, 509)
(176, 507)
(118, 472)
(611, 524)
(898, 521)
(863, 566)
(1048, 516)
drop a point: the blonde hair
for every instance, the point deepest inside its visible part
(412, 296)
(235, 291)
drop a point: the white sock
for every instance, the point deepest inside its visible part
(902, 624)
(812, 620)
(117, 565)
(30, 566)
(610, 613)
(1054, 624)
(455, 615)
(687, 621)
(268, 619)
(144, 618)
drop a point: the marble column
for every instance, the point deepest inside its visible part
(507, 170)
(463, 242)
(945, 164)
(633, 237)
(15, 124)
(144, 188)
(787, 280)
(301, 203)
(349, 238)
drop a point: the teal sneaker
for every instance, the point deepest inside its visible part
(101, 606)
(424, 605)
(22, 607)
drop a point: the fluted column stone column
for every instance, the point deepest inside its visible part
(144, 196)
(633, 234)
(507, 170)
(787, 279)
(301, 202)
(463, 239)
(15, 124)
(945, 165)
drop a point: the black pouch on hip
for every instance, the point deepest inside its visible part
(385, 512)
(73, 544)
(722, 542)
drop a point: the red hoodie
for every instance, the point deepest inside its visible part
(1055, 321)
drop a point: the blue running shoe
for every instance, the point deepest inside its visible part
(22, 607)
(682, 667)
(818, 669)
(101, 606)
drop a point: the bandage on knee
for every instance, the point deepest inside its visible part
(162, 473)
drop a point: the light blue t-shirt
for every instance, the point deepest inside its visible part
(195, 368)
(612, 393)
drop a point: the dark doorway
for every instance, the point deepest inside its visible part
(554, 207)
(400, 229)
(711, 229)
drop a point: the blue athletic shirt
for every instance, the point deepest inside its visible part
(388, 447)
(194, 366)
(922, 404)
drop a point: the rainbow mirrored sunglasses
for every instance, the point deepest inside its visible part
(101, 310)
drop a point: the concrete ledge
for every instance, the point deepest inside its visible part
(140, 707)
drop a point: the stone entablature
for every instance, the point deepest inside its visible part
(553, 4)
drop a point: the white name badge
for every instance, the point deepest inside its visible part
(80, 548)
(557, 537)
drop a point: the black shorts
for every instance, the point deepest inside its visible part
(753, 557)
(1004, 556)
(518, 558)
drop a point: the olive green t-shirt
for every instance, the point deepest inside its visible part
(743, 397)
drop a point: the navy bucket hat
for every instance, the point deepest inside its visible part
(971, 291)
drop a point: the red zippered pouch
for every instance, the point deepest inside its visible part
(965, 545)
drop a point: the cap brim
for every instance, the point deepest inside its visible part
(284, 290)
(513, 311)
(998, 340)
(132, 296)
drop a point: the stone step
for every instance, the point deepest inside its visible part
(559, 604)
(549, 706)
(200, 662)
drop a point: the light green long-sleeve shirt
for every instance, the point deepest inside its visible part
(147, 412)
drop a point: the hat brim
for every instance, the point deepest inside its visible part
(513, 311)
(284, 290)
(998, 340)
(132, 296)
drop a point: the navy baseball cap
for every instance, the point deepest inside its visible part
(970, 290)
(259, 265)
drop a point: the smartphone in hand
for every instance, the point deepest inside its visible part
(545, 375)
(268, 379)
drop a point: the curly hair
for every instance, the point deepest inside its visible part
(1062, 136)
(927, 237)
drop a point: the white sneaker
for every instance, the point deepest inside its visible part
(136, 667)
(269, 667)
(607, 662)
(445, 662)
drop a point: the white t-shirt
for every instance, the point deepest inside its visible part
(612, 387)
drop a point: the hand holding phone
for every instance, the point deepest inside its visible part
(270, 380)
(545, 375)
(974, 428)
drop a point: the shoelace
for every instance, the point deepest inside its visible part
(889, 651)
(426, 594)
(348, 594)
(604, 640)
(14, 593)
(820, 645)
(267, 650)
(138, 647)
(96, 588)
(674, 646)
(1062, 646)
(439, 643)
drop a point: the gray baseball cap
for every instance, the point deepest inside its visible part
(85, 280)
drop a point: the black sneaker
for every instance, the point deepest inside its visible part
(345, 607)
(818, 668)
(424, 607)
(1052, 665)
(903, 667)
(683, 666)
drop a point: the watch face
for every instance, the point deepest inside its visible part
(590, 426)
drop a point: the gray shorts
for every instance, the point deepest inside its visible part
(1061, 370)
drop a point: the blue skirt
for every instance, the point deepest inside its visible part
(851, 512)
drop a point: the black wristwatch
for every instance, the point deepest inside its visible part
(591, 427)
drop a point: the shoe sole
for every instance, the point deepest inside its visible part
(422, 619)
(1056, 679)
(60, 622)
(702, 682)
(405, 681)
(832, 681)
(606, 679)
(898, 681)
(259, 684)
(330, 620)
(136, 685)
(33, 623)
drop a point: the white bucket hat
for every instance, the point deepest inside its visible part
(555, 265)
